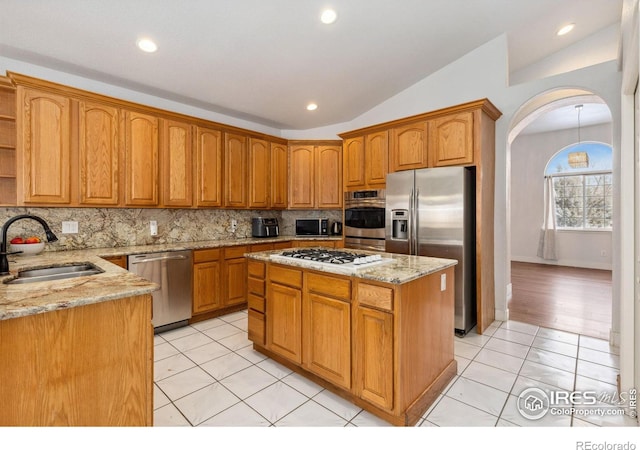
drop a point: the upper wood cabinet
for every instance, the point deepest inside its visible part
(451, 140)
(408, 147)
(177, 163)
(329, 176)
(235, 163)
(43, 147)
(259, 173)
(354, 163)
(366, 161)
(279, 175)
(141, 159)
(209, 156)
(98, 153)
(315, 177)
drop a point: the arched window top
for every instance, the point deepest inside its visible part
(583, 157)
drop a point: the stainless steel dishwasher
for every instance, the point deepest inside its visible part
(172, 271)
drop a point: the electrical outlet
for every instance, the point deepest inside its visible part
(69, 227)
(153, 227)
(234, 225)
(443, 282)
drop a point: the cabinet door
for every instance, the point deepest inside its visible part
(284, 321)
(209, 167)
(235, 162)
(98, 153)
(206, 287)
(373, 356)
(327, 338)
(376, 156)
(141, 159)
(328, 178)
(177, 163)
(409, 147)
(44, 145)
(302, 175)
(354, 164)
(279, 175)
(235, 275)
(259, 173)
(451, 140)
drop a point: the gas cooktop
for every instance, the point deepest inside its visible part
(345, 261)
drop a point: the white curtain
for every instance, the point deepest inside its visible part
(547, 243)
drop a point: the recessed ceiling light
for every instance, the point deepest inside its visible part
(565, 29)
(312, 107)
(147, 45)
(328, 16)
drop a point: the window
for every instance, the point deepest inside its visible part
(582, 182)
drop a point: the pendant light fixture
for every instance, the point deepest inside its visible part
(578, 160)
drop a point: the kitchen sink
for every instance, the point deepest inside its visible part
(55, 273)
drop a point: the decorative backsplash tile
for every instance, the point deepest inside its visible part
(113, 227)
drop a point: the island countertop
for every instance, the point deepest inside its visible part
(18, 300)
(399, 269)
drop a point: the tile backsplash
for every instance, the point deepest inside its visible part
(113, 227)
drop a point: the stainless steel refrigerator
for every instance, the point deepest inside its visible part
(431, 212)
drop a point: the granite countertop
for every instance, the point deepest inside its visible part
(396, 269)
(18, 300)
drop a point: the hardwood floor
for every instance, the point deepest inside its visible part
(563, 298)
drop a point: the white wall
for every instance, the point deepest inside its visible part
(529, 156)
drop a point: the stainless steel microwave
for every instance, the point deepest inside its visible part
(312, 227)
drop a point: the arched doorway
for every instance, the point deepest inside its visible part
(541, 127)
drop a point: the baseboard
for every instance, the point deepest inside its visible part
(502, 314)
(563, 262)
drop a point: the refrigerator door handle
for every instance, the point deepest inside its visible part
(416, 220)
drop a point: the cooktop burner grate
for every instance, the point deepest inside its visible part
(331, 256)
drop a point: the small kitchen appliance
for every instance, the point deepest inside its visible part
(264, 227)
(336, 228)
(312, 227)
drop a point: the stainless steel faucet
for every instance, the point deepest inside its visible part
(4, 262)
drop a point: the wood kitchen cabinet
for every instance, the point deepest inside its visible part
(141, 159)
(234, 272)
(209, 169)
(451, 140)
(326, 327)
(315, 176)
(373, 355)
(89, 365)
(7, 142)
(98, 153)
(236, 170)
(366, 161)
(279, 176)
(207, 277)
(177, 163)
(43, 147)
(408, 147)
(284, 312)
(256, 293)
(259, 173)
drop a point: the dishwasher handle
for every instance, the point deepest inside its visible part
(159, 258)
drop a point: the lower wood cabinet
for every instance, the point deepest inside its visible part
(284, 313)
(206, 280)
(90, 365)
(373, 356)
(120, 260)
(234, 273)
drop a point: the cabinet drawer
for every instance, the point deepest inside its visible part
(331, 286)
(255, 286)
(261, 247)
(255, 302)
(286, 276)
(256, 327)
(206, 255)
(375, 296)
(235, 252)
(281, 245)
(256, 269)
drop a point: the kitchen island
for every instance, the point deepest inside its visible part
(379, 336)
